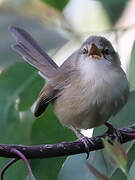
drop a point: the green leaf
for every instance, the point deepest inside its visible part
(13, 82)
(117, 155)
(59, 4)
(114, 8)
(98, 174)
(131, 177)
(75, 166)
(131, 155)
(132, 172)
(16, 171)
(47, 129)
(30, 93)
(117, 173)
(30, 176)
(17, 132)
(132, 69)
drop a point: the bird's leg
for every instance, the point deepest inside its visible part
(85, 140)
(112, 130)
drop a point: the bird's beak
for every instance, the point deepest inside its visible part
(94, 52)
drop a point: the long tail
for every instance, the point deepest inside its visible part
(32, 53)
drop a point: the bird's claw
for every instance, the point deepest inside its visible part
(87, 143)
(115, 132)
(85, 140)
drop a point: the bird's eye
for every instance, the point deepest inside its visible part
(106, 51)
(85, 50)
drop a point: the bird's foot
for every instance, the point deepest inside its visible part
(85, 140)
(113, 131)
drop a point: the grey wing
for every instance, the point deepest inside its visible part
(47, 95)
(56, 85)
(32, 53)
(54, 88)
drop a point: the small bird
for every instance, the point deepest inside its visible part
(86, 90)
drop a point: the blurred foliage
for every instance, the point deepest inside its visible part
(12, 86)
(117, 154)
(97, 174)
(130, 154)
(114, 8)
(59, 4)
(75, 167)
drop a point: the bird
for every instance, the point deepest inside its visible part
(86, 90)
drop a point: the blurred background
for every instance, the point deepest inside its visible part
(59, 27)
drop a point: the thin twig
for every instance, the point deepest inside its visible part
(12, 161)
(21, 156)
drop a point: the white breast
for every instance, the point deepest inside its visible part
(98, 78)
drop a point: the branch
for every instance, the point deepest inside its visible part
(64, 148)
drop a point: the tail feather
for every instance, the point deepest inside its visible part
(32, 53)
